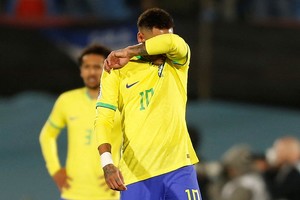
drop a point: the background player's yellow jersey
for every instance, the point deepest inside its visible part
(76, 110)
(156, 94)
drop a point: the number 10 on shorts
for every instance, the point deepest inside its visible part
(193, 194)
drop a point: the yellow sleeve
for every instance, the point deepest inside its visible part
(48, 137)
(103, 125)
(107, 104)
(175, 48)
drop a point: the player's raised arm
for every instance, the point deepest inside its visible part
(119, 58)
(171, 45)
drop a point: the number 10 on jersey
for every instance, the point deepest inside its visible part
(145, 97)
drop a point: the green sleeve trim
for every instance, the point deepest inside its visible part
(105, 105)
(54, 125)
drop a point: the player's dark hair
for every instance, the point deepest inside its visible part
(94, 49)
(155, 18)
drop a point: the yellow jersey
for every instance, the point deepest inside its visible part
(152, 101)
(75, 110)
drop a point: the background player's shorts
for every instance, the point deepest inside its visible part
(180, 184)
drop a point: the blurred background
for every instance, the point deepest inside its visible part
(243, 85)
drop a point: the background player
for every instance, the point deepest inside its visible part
(81, 179)
(151, 93)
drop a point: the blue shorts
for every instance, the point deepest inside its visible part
(180, 184)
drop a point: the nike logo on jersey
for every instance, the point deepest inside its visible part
(130, 85)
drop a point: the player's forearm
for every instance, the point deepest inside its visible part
(103, 124)
(105, 155)
(49, 148)
(170, 44)
(136, 50)
(106, 147)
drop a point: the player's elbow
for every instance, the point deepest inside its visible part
(42, 137)
(45, 135)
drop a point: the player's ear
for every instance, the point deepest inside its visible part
(140, 37)
(81, 73)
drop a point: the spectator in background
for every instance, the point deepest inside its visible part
(284, 179)
(243, 182)
(260, 163)
(81, 178)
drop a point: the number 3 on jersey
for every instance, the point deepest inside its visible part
(193, 195)
(145, 97)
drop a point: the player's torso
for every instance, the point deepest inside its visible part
(150, 91)
(138, 82)
(153, 107)
(79, 114)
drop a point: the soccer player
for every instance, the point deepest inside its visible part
(81, 178)
(147, 82)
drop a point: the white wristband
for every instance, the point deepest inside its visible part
(106, 159)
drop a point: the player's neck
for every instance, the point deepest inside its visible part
(93, 93)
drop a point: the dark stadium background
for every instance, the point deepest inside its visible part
(243, 83)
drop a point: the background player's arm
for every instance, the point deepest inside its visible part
(48, 141)
(48, 137)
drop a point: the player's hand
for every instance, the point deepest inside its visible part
(114, 178)
(116, 59)
(61, 179)
(105, 186)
